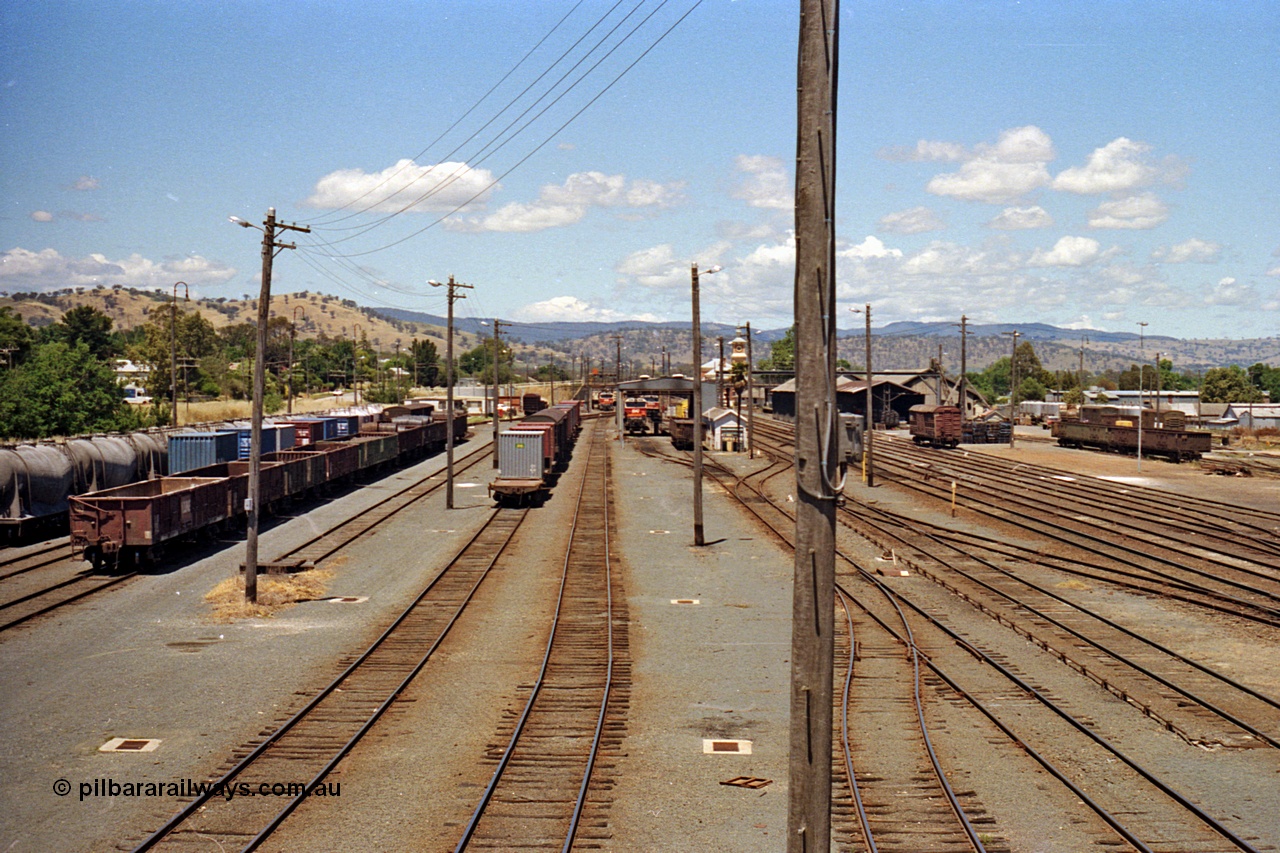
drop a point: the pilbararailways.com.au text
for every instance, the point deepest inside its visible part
(187, 788)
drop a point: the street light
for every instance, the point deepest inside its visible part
(698, 538)
(293, 331)
(1142, 357)
(173, 345)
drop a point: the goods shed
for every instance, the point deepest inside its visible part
(890, 399)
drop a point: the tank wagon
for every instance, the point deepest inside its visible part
(1110, 428)
(533, 452)
(129, 524)
(939, 426)
(36, 480)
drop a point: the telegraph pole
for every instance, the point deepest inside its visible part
(270, 248)
(1013, 385)
(720, 401)
(812, 609)
(497, 325)
(751, 400)
(452, 297)
(173, 344)
(964, 367)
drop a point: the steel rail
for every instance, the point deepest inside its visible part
(1150, 777)
(508, 753)
(1230, 563)
(1061, 533)
(1079, 635)
(195, 805)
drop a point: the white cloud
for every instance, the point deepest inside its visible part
(766, 185)
(22, 269)
(1230, 292)
(1135, 212)
(404, 186)
(871, 247)
(570, 309)
(1120, 166)
(1067, 252)
(85, 183)
(1192, 251)
(1003, 172)
(564, 204)
(41, 216)
(925, 151)
(917, 220)
(655, 267)
(1021, 219)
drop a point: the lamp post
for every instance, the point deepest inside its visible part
(1013, 384)
(698, 538)
(751, 399)
(1142, 357)
(355, 378)
(868, 437)
(173, 345)
(453, 295)
(293, 332)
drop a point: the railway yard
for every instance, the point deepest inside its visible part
(1037, 649)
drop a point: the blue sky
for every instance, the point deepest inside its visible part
(1085, 164)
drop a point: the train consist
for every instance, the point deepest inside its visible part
(939, 426)
(1110, 428)
(36, 480)
(129, 524)
(533, 452)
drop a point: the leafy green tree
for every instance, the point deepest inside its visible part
(782, 353)
(1267, 378)
(1031, 389)
(1073, 397)
(426, 362)
(16, 337)
(60, 390)
(1229, 385)
(196, 340)
(85, 324)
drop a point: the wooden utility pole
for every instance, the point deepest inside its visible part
(964, 367)
(269, 249)
(1013, 385)
(813, 595)
(720, 398)
(751, 400)
(497, 324)
(453, 296)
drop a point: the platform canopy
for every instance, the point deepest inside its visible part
(663, 385)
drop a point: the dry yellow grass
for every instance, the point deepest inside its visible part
(275, 593)
(1074, 584)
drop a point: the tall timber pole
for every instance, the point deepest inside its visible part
(253, 503)
(450, 414)
(813, 610)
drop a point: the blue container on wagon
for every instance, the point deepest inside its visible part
(274, 437)
(191, 450)
(345, 426)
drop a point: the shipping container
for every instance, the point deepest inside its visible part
(190, 450)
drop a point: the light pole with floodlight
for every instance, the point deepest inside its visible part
(698, 538)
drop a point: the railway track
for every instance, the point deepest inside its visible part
(307, 747)
(1142, 808)
(42, 581)
(548, 788)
